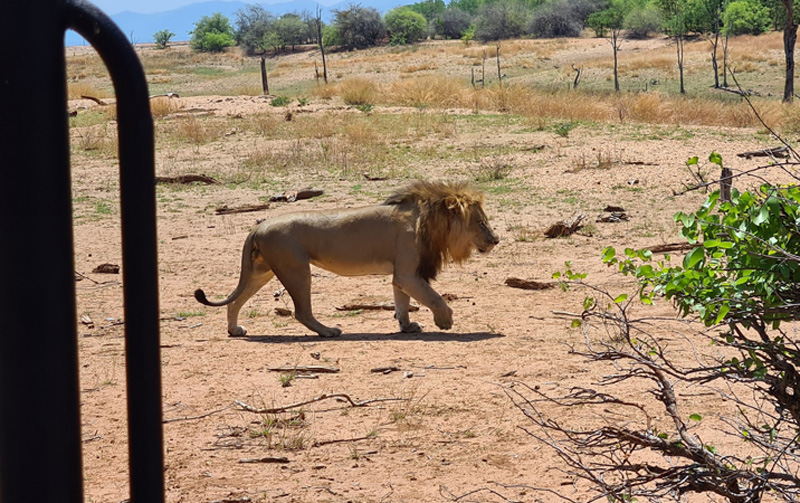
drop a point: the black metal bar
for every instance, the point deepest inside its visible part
(40, 439)
(139, 250)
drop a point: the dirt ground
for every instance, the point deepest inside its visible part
(441, 427)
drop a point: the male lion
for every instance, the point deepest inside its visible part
(411, 236)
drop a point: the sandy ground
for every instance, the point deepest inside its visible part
(440, 426)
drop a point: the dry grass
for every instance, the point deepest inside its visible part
(163, 106)
(195, 130)
(77, 89)
(358, 91)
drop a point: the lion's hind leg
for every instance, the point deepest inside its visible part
(259, 277)
(296, 278)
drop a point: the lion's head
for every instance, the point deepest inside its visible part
(451, 223)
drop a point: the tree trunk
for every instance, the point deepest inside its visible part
(725, 56)
(321, 46)
(789, 39)
(714, 63)
(679, 43)
(264, 81)
(615, 45)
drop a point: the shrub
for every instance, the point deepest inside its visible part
(359, 27)
(643, 21)
(556, 19)
(501, 20)
(212, 34)
(162, 38)
(743, 17)
(252, 24)
(452, 23)
(405, 26)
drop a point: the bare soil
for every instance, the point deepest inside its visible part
(441, 425)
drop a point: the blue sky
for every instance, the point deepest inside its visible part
(112, 7)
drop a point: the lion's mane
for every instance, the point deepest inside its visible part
(445, 211)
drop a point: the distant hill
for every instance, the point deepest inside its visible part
(140, 27)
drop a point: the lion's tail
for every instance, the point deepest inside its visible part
(248, 252)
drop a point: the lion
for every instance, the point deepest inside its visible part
(412, 235)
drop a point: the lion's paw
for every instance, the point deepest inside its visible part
(411, 328)
(330, 332)
(444, 320)
(239, 331)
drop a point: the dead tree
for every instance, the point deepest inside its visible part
(318, 22)
(577, 80)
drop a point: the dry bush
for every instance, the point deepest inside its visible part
(362, 133)
(195, 130)
(646, 107)
(326, 91)
(77, 89)
(163, 106)
(358, 91)
(434, 91)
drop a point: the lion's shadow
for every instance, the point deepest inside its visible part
(364, 337)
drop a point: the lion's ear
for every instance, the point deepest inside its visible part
(456, 205)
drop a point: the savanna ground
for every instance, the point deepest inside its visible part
(389, 115)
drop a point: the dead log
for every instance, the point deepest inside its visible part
(224, 210)
(782, 152)
(106, 269)
(527, 284)
(186, 179)
(565, 227)
(296, 195)
(372, 307)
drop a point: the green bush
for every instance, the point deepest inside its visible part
(452, 23)
(746, 17)
(162, 38)
(405, 26)
(212, 34)
(643, 21)
(501, 20)
(359, 27)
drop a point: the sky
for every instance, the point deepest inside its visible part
(112, 7)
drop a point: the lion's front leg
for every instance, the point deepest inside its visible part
(401, 303)
(419, 289)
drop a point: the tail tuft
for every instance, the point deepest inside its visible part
(200, 295)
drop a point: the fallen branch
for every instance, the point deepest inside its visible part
(669, 247)
(341, 440)
(266, 459)
(305, 369)
(224, 210)
(372, 307)
(192, 418)
(527, 284)
(297, 195)
(96, 100)
(353, 403)
(782, 152)
(186, 179)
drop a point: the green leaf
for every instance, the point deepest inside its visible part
(693, 258)
(723, 311)
(692, 161)
(621, 298)
(696, 417)
(715, 158)
(608, 253)
(576, 323)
